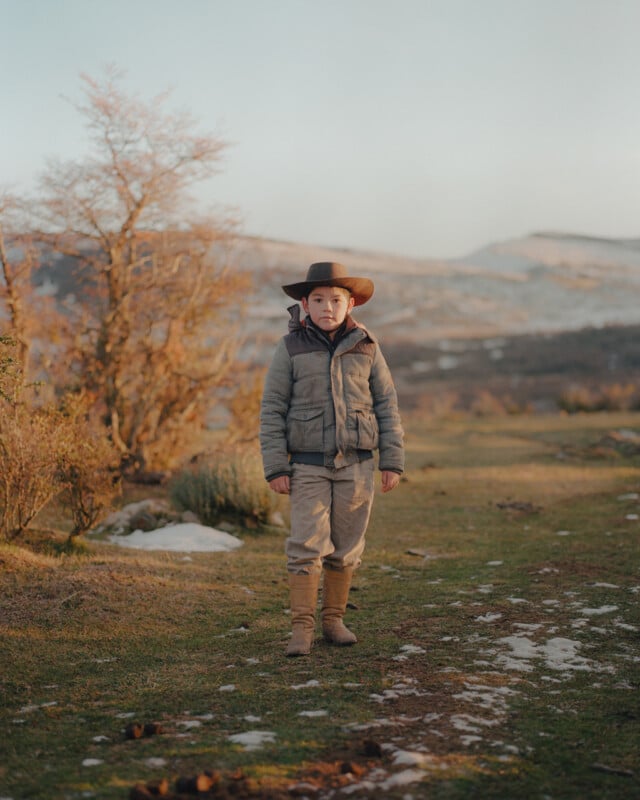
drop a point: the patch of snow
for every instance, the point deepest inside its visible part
(100, 739)
(528, 626)
(155, 763)
(308, 685)
(403, 778)
(411, 758)
(471, 724)
(595, 612)
(448, 362)
(228, 687)
(606, 585)
(186, 537)
(319, 713)
(253, 740)
(558, 653)
(412, 649)
(252, 718)
(629, 496)
(563, 533)
(489, 617)
(495, 563)
(92, 762)
(190, 723)
(469, 739)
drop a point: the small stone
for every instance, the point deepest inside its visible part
(158, 788)
(372, 749)
(153, 729)
(143, 521)
(134, 730)
(139, 792)
(195, 784)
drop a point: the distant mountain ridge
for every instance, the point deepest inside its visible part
(541, 283)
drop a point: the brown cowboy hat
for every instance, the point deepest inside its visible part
(329, 273)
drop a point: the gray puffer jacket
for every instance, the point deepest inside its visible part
(339, 403)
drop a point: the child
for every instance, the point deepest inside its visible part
(328, 403)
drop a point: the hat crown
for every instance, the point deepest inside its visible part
(326, 271)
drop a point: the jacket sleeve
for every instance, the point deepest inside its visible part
(273, 414)
(385, 407)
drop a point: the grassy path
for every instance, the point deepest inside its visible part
(499, 657)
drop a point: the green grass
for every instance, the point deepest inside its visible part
(94, 640)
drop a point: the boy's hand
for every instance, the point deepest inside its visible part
(389, 480)
(281, 485)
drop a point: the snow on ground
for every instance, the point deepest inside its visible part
(253, 740)
(186, 537)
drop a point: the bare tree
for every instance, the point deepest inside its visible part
(159, 298)
(18, 259)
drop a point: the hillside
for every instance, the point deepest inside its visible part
(541, 283)
(524, 318)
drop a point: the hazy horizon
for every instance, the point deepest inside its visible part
(423, 129)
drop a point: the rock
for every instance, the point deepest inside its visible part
(193, 785)
(372, 749)
(143, 521)
(134, 730)
(139, 792)
(153, 728)
(158, 788)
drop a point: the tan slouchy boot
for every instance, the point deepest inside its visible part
(335, 593)
(303, 591)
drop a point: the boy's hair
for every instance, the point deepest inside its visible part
(337, 288)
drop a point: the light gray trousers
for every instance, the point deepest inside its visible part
(330, 511)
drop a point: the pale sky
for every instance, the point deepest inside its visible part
(427, 128)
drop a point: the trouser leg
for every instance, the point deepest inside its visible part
(350, 513)
(310, 538)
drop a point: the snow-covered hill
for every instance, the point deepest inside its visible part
(546, 282)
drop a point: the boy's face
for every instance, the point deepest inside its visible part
(328, 306)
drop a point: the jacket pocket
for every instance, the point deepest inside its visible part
(305, 430)
(366, 430)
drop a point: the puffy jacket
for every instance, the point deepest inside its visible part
(338, 402)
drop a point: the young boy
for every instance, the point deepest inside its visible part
(328, 403)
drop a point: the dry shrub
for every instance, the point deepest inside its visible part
(29, 445)
(232, 486)
(87, 467)
(485, 404)
(439, 405)
(620, 397)
(612, 397)
(48, 450)
(244, 409)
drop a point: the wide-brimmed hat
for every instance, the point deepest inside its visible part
(329, 273)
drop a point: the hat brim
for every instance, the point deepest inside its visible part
(361, 289)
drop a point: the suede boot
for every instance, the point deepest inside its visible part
(303, 591)
(335, 592)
